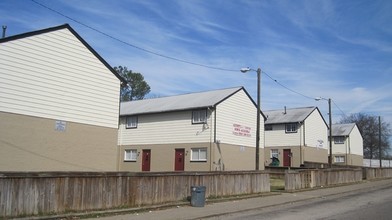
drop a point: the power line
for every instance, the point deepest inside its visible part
(291, 90)
(308, 97)
(132, 45)
(165, 56)
(344, 114)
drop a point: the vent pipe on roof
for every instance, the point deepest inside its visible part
(285, 110)
(4, 29)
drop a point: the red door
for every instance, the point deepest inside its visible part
(146, 160)
(287, 157)
(179, 160)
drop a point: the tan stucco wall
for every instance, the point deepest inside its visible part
(225, 157)
(295, 160)
(315, 155)
(309, 154)
(236, 157)
(350, 159)
(32, 144)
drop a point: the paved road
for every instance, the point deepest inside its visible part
(364, 204)
(367, 200)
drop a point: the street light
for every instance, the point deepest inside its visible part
(258, 71)
(330, 129)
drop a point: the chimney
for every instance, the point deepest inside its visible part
(285, 110)
(4, 29)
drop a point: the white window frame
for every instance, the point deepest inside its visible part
(340, 159)
(274, 153)
(197, 152)
(131, 122)
(338, 139)
(130, 155)
(199, 116)
(291, 128)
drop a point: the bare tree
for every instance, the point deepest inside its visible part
(369, 127)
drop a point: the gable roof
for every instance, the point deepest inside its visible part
(288, 115)
(64, 26)
(342, 129)
(207, 99)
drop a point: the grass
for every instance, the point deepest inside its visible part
(277, 184)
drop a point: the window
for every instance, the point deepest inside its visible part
(199, 154)
(339, 159)
(274, 153)
(338, 140)
(131, 122)
(268, 127)
(291, 128)
(199, 116)
(130, 155)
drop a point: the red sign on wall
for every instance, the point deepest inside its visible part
(240, 130)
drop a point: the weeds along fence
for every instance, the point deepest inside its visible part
(38, 193)
(303, 179)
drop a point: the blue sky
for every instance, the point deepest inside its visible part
(330, 48)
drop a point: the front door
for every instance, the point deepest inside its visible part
(146, 160)
(179, 160)
(287, 157)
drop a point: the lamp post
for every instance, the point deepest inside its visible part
(258, 71)
(330, 129)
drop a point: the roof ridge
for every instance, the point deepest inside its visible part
(310, 107)
(189, 93)
(33, 33)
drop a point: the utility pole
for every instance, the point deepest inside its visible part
(258, 71)
(379, 139)
(330, 134)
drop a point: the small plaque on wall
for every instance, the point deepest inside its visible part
(60, 126)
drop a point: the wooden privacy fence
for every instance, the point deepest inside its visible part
(26, 194)
(377, 173)
(302, 179)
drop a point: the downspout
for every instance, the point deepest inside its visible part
(349, 150)
(304, 143)
(119, 142)
(211, 153)
(300, 143)
(119, 132)
(212, 149)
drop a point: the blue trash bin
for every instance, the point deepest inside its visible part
(198, 196)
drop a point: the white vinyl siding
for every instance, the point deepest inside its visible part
(53, 75)
(316, 131)
(199, 154)
(356, 142)
(166, 128)
(238, 111)
(353, 144)
(278, 136)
